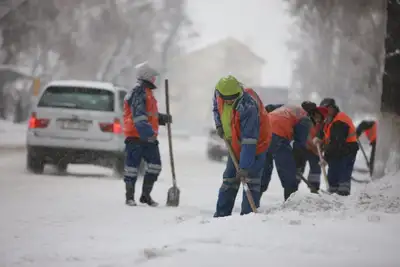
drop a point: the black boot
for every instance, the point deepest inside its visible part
(287, 192)
(314, 188)
(129, 194)
(146, 190)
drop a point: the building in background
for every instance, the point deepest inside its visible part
(193, 77)
(272, 94)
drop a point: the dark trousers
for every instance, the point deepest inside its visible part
(314, 175)
(150, 153)
(281, 152)
(230, 187)
(339, 174)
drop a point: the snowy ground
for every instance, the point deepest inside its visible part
(11, 135)
(80, 220)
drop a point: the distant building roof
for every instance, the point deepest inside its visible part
(230, 41)
(273, 94)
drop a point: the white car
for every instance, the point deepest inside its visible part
(77, 122)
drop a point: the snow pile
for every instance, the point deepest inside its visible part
(12, 135)
(381, 196)
(304, 202)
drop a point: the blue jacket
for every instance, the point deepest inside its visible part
(136, 99)
(301, 131)
(249, 127)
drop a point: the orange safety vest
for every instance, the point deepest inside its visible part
(313, 132)
(265, 135)
(152, 116)
(284, 119)
(343, 117)
(371, 133)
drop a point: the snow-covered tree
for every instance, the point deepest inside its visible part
(343, 51)
(91, 39)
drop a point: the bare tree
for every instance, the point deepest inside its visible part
(91, 39)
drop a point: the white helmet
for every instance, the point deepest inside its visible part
(145, 72)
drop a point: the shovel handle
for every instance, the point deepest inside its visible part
(245, 185)
(171, 154)
(364, 154)
(322, 167)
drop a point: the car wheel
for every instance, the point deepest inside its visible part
(119, 166)
(34, 164)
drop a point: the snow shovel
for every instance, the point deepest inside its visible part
(244, 183)
(310, 185)
(173, 194)
(322, 167)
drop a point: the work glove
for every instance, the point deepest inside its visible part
(242, 175)
(220, 132)
(163, 119)
(153, 140)
(316, 141)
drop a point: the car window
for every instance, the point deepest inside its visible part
(121, 97)
(77, 98)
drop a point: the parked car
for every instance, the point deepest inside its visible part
(216, 149)
(77, 122)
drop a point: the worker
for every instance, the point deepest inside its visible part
(339, 140)
(240, 118)
(369, 127)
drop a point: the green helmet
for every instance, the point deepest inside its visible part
(229, 86)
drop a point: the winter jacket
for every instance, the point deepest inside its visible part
(370, 129)
(141, 117)
(249, 125)
(339, 136)
(292, 123)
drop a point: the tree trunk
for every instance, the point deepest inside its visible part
(389, 130)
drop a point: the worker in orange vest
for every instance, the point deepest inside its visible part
(310, 155)
(288, 123)
(141, 122)
(339, 140)
(240, 118)
(370, 130)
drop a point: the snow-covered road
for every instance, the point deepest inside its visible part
(81, 220)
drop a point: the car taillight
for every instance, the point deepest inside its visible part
(114, 127)
(35, 122)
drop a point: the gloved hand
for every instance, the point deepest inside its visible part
(220, 132)
(163, 119)
(316, 141)
(153, 140)
(242, 174)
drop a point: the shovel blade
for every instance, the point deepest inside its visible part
(173, 197)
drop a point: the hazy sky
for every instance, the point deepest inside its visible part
(262, 24)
